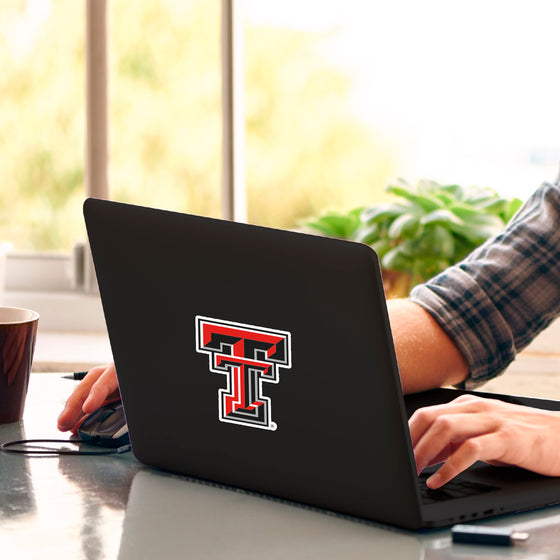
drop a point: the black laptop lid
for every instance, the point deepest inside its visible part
(255, 357)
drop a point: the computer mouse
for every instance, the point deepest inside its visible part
(106, 426)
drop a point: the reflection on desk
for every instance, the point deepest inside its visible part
(219, 522)
(114, 507)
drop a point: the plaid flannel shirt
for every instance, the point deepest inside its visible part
(501, 296)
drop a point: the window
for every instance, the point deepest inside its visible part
(165, 104)
(338, 97)
(459, 92)
(42, 119)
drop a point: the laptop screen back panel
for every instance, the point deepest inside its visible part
(337, 435)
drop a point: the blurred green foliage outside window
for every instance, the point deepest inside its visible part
(42, 123)
(305, 149)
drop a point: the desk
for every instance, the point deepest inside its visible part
(114, 507)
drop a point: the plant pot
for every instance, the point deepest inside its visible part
(396, 284)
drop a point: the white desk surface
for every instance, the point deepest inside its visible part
(114, 507)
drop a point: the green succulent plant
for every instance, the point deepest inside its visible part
(431, 227)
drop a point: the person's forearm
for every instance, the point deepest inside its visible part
(427, 357)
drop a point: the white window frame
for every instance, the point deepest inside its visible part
(62, 287)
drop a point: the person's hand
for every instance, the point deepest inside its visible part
(472, 428)
(98, 386)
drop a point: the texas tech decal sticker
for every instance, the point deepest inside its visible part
(248, 356)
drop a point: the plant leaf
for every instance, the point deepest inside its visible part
(478, 232)
(336, 224)
(331, 225)
(437, 241)
(442, 216)
(427, 203)
(380, 212)
(406, 226)
(455, 191)
(368, 234)
(395, 259)
(381, 247)
(513, 206)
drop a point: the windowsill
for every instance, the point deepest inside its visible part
(69, 352)
(72, 335)
(62, 311)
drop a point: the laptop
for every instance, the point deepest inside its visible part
(263, 359)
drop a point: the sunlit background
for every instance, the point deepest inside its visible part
(340, 97)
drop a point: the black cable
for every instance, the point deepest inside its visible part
(39, 450)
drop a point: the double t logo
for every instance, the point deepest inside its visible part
(247, 355)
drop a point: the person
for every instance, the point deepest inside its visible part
(461, 328)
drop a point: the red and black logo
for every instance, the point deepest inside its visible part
(248, 355)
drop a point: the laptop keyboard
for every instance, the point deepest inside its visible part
(452, 490)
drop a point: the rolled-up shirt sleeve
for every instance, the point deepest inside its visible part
(498, 299)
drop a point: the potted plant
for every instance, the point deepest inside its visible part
(428, 228)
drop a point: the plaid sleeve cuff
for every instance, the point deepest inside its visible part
(470, 318)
